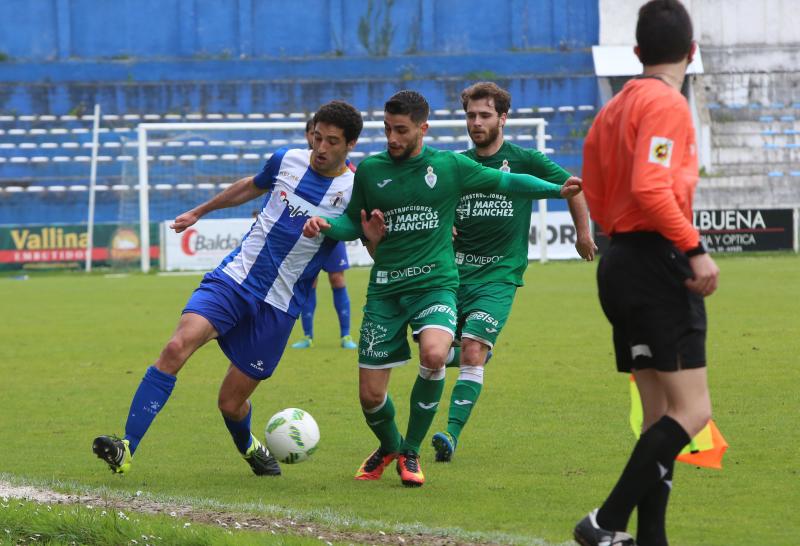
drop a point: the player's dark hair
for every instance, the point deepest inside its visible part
(487, 90)
(408, 103)
(343, 116)
(309, 125)
(663, 32)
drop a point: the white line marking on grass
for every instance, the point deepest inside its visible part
(259, 517)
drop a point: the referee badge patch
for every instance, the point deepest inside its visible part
(660, 151)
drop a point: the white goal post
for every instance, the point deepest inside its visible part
(145, 138)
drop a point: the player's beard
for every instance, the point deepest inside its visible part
(490, 135)
(406, 153)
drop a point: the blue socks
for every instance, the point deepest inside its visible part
(341, 301)
(149, 399)
(307, 315)
(240, 431)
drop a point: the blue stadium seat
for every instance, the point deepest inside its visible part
(45, 158)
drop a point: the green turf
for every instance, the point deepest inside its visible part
(545, 444)
(26, 522)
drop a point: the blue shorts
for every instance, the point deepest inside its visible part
(337, 261)
(251, 333)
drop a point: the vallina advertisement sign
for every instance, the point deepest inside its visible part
(64, 246)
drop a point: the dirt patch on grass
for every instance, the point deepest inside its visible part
(230, 520)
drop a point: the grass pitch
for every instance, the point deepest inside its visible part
(27, 522)
(545, 444)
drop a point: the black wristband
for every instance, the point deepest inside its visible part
(696, 251)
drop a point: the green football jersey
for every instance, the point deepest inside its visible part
(492, 241)
(418, 197)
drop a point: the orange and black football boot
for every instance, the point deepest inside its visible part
(408, 467)
(373, 466)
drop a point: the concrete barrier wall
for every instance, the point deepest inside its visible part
(749, 96)
(717, 23)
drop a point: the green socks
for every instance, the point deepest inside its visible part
(381, 421)
(465, 396)
(425, 397)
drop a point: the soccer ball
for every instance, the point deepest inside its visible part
(292, 435)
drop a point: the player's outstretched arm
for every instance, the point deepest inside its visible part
(341, 228)
(531, 187)
(241, 191)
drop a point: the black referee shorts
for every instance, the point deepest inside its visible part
(658, 323)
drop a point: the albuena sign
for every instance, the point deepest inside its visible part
(739, 230)
(744, 230)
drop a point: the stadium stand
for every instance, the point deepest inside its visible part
(169, 73)
(755, 147)
(43, 155)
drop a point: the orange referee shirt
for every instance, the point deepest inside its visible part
(640, 163)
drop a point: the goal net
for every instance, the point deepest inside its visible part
(180, 165)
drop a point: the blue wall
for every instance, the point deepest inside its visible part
(272, 55)
(259, 56)
(47, 30)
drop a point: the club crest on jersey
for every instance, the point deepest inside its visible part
(294, 210)
(337, 200)
(430, 177)
(660, 151)
(505, 168)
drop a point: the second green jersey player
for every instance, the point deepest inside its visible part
(414, 279)
(491, 249)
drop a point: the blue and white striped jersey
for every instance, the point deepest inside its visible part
(275, 262)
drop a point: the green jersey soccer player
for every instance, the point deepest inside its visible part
(414, 280)
(491, 248)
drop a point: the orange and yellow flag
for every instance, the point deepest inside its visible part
(706, 449)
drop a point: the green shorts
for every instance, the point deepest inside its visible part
(483, 310)
(384, 340)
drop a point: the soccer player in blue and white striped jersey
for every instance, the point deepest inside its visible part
(250, 302)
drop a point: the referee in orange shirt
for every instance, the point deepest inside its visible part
(639, 174)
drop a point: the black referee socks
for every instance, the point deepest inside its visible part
(651, 460)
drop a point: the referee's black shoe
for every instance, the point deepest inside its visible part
(588, 533)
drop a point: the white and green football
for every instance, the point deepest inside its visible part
(292, 435)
